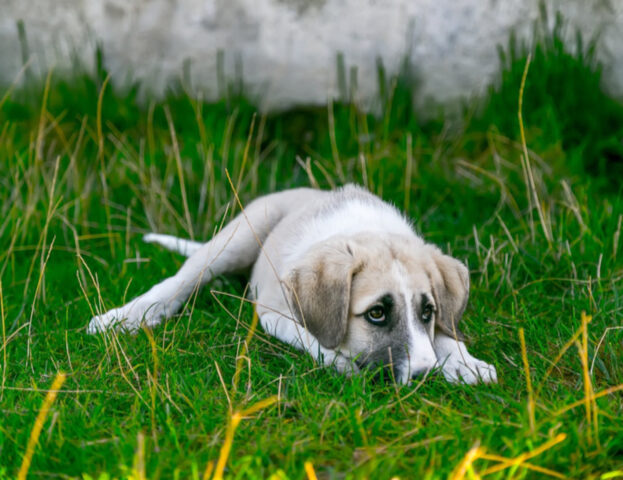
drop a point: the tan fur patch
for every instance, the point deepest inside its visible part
(321, 287)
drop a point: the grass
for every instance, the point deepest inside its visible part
(85, 171)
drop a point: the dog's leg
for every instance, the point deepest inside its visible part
(458, 365)
(235, 247)
(291, 332)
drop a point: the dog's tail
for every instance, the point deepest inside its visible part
(175, 244)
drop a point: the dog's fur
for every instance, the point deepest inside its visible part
(340, 274)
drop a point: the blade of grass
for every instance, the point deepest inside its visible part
(38, 426)
(533, 196)
(524, 357)
(180, 171)
(309, 470)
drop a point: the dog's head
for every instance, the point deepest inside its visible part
(380, 299)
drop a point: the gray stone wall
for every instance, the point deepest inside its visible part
(286, 50)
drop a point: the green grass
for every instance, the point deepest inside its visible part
(81, 183)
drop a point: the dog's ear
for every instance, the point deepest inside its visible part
(320, 291)
(450, 282)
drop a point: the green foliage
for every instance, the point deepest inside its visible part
(564, 102)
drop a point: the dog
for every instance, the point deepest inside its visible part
(339, 274)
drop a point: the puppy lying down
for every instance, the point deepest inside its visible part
(339, 274)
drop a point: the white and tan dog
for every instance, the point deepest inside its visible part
(339, 274)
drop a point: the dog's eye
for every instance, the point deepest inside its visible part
(427, 313)
(376, 315)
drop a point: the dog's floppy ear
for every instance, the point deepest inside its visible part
(320, 290)
(450, 282)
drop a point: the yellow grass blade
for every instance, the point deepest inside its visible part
(180, 172)
(521, 459)
(589, 401)
(208, 471)
(477, 452)
(309, 470)
(470, 457)
(38, 426)
(261, 405)
(526, 465)
(603, 393)
(234, 421)
(563, 350)
(245, 348)
(138, 469)
(524, 357)
(533, 196)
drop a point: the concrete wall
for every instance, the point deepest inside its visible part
(287, 49)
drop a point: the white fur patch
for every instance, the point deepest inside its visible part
(352, 217)
(457, 365)
(421, 356)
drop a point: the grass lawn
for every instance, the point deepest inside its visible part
(85, 172)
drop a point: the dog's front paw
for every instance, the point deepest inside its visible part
(105, 321)
(345, 365)
(129, 318)
(468, 369)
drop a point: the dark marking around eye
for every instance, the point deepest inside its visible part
(427, 309)
(380, 313)
(387, 301)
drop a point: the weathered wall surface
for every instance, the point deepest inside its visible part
(287, 49)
